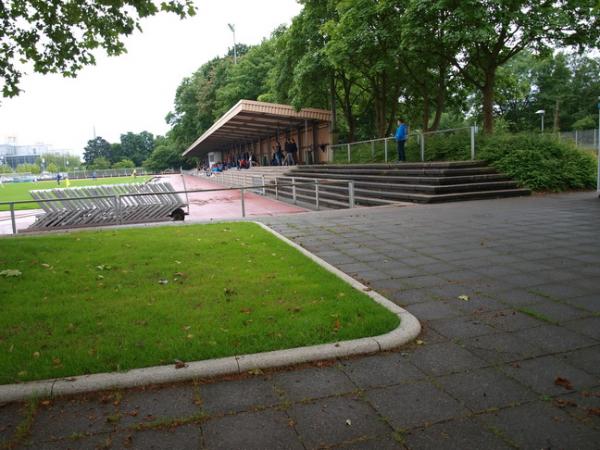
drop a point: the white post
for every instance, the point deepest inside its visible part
(385, 151)
(317, 194)
(276, 190)
(243, 204)
(472, 143)
(351, 194)
(12, 218)
(373, 149)
(422, 147)
(348, 153)
(294, 190)
(264, 189)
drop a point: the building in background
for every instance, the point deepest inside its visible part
(13, 154)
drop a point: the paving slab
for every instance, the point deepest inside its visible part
(540, 425)
(153, 405)
(336, 420)
(238, 395)
(459, 434)
(445, 358)
(313, 383)
(484, 389)
(381, 370)
(414, 404)
(64, 418)
(184, 437)
(270, 429)
(541, 374)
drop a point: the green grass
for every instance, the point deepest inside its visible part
(90, 302)
(10, 192)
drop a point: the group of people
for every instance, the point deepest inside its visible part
(291, 152)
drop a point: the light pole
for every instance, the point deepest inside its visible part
(541, 112)
(232, 28)
(598, 142)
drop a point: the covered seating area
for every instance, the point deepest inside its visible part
(254, 128)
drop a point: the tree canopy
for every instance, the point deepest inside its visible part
(55, 36)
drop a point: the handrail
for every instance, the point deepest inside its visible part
(117, 198)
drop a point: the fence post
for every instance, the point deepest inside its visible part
(264, 190)
(317, 194)
(294, 190)
(276, 190)
(385, 151)
(422, 147)
(472, 143)
(243, 204)
(12, 218)
(348, 153)
(576, 140)
(118, 209)
(351, 194)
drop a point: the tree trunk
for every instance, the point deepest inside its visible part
(488, 101)
(334, 127)
(440, 100)
(425, 112)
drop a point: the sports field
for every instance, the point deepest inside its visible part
(20, 191)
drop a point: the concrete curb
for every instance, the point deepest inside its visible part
(408, 329)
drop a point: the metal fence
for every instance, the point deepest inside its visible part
(84, 173)
(384, 149)
(311, 192)
(587, 139)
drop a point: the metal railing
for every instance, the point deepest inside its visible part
(276, 187)
(384, 149)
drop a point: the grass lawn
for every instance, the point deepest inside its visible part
(89, 302)
(20, 191)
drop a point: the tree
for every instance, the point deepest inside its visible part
(52, 168)
(96, 148)
(124, 164)
(28, 168)
(488, 34)
(60, 37)
(5, 168)
(166, 154)
(63, 162)
(136, 147)
(100, 163)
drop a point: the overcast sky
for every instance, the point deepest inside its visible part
(135, 91)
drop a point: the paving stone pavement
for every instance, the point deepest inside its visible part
(516, 365)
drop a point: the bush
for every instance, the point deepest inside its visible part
(539, 162)
(124, 164)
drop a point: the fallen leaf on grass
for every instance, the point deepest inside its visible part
(464, 298)
(163, 281)
(11, 273)
(559, 381)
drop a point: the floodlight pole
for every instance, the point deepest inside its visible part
(598, 142)
(232, 28)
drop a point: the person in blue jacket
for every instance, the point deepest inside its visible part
(401, 136)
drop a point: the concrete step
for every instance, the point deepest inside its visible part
(406, 165)
(403, 179)
(396, 172)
